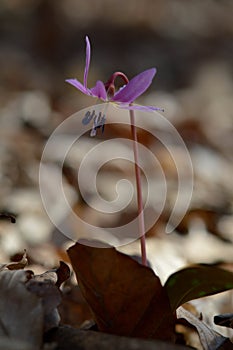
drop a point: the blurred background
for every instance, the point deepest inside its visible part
(42, 43)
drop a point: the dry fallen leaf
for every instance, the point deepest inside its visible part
(210, 339)
(21, 312)
(46, 287)
(63, 273)
(28, 304)
(50, 297)
(126, 298)
(56, 276)
(16, 265)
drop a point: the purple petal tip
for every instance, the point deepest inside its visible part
(136, 87)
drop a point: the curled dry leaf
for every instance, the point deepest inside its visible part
(210, 339)
(50, 297)
(46, 287)
(56, 276)
(19, 264)
(63, 273)
(125, 297)
(16, 265)
(28, 304)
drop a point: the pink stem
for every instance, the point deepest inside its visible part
(139, 189)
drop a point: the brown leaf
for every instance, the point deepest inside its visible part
(63, 273)
(125, 297)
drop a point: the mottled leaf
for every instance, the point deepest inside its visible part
(196, 282)
(125, 297)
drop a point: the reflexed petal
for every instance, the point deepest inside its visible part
(135, 87)
(141, 108)
(99, 90)
(88, 58)
(79, 86)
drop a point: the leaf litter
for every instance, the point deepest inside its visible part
(28, 304)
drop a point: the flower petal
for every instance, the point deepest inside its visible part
(79, 86)
(99, 90)
(88, 59)
(141, 108)
(135, 87)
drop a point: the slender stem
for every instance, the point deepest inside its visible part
(139, 189)
(110, 88)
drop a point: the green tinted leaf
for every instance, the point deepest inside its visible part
(196, 282)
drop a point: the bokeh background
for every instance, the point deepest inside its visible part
(42, 42)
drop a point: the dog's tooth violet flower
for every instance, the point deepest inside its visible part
(126, 95)
(123, 98)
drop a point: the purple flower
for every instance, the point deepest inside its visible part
(126, 95)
